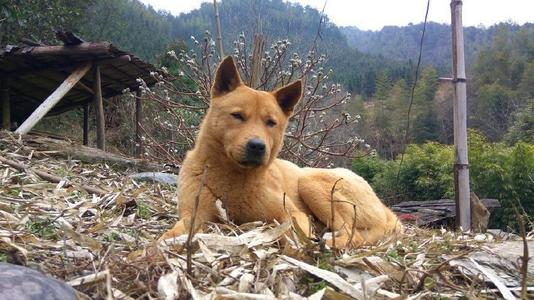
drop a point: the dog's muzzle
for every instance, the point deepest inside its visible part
(254, 153)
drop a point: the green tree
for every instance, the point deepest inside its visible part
(522, 125)
(37, 20)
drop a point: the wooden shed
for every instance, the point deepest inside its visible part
(40, 80)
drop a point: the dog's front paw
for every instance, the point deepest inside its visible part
(169, 235)
(178, 230)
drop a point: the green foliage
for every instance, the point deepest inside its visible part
(43, 228)
(143, 210)
(503, 82)
(385, 122)
(522, 125)
(426, 172)
(505, 173)
(129, 24)
(496, 171)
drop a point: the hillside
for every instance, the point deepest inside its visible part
(402, 42)
(279, 20)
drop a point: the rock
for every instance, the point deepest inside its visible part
(164, 178)
(21, 283)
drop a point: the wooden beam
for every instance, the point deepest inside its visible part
(60, 67)
(138, 119)
(83, 48)
(86, 124)
(6, 106)
(53, 99)
(99, 108)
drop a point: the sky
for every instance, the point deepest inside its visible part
(374, 14)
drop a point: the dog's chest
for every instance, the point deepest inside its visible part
(252, 203)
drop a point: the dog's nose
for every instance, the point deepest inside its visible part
(255, 151)
(256, 146)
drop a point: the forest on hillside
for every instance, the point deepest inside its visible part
(375, 70)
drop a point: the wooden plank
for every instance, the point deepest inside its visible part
(6, 106)
(138, 119)
(53, 99)
(86, 124)
(99, 108)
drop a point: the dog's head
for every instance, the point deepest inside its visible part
(249, 124)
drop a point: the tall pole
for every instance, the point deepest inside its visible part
(461, 166)
(218, 25)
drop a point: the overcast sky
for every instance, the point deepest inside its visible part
(374, 14)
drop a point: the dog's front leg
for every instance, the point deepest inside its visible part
(196, 206)
(303, 222)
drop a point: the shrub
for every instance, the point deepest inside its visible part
(496, 171)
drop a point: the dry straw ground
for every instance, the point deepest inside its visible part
(103, 245)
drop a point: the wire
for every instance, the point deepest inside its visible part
(405, 142)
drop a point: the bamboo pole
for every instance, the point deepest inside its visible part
(218, 25)
(99, 108)
(53, 99)
(86, 124)
(257, 53)
(461, 165)
(138, 118)
(6, 106)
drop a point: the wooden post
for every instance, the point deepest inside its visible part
(53, 99)
(461, 166)
(99, 108)
(86, 124)
(138, 119)
(6, 106)
(218, 25)
(257, 54)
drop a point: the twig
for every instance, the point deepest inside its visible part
(193, 217)
(435, 270)
(524, 258)
(333, 213)
(89, 278)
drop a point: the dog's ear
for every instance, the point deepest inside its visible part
(226, 78)
(288, 96)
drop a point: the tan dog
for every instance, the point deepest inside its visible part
(236, 149)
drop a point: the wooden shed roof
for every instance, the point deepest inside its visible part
(34, 72)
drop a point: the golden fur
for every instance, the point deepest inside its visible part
(238, 114)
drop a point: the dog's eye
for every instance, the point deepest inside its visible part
(238, 116)
(271, 123)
